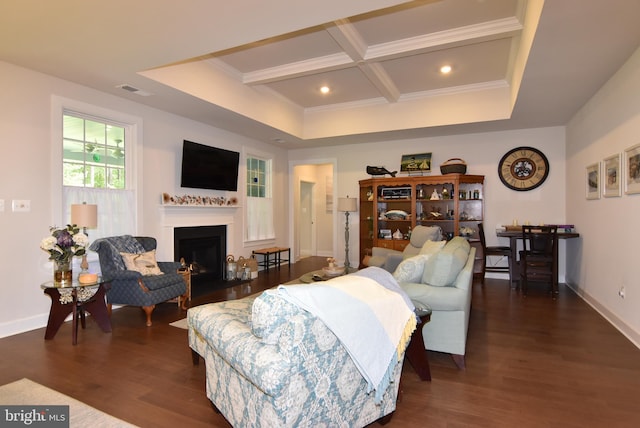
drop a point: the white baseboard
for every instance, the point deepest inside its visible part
(613, 319)
(23, 325)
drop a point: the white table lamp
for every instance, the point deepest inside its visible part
(85, 216)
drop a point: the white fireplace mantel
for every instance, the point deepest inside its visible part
(172, 216)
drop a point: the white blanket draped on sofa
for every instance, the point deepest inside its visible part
(372, 321)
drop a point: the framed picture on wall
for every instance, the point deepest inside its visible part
(632, 169)
(592, 181)
(611, 176)
(329, 194)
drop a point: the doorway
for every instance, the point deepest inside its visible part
(312, 230)
(307, 227)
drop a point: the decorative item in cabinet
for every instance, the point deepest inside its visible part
(385, 234)
(395, 193)
(396, 215)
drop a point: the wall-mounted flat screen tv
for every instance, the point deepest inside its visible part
(206, 167)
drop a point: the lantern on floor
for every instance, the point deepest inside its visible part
(231, 268)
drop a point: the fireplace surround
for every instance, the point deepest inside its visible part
(203, 249)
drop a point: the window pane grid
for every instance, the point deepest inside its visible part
(256, 177)
(259, 204)
(93, 153)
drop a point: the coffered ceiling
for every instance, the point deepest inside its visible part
(256, 68)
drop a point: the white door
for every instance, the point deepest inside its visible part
(307, 229)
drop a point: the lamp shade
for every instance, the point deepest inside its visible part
(348, 204)
(84, 215)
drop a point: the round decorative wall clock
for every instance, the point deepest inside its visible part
(523, 168)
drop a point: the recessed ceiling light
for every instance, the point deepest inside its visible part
(325, 89)
(445, 69)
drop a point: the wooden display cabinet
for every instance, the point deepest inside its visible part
(396, 205)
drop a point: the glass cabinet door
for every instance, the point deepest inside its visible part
(394, 212)
(470, 202)
(435, 206)
(366, 219)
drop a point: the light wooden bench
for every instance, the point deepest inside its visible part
(276, 252)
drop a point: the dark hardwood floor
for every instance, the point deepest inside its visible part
(531, 362)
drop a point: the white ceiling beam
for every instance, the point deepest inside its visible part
(356, 51)
(457, 36)
(299, 68)
(381, 80)
(348, 38)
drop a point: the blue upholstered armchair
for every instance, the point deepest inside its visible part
(131, 287)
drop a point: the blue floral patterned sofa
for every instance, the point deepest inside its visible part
(270, 363)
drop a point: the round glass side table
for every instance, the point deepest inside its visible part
(76, 299)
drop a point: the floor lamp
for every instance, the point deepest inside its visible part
(84, 216)
(347, 205)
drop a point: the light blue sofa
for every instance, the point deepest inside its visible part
(443, 281)
(271, 364)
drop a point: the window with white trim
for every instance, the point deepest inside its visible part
(93, 153)
(94, 170)
(259, 224)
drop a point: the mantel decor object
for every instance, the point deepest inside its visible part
(199, 201)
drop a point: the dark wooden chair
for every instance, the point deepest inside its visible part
(538, 256)
(500, 251)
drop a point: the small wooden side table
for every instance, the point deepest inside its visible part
(186, 297)
(77, 298)
(416, 353)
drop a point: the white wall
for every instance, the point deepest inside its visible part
(608, 124)
(26, 173)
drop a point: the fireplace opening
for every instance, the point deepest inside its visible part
(203, 250)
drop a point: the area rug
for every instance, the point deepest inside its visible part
(180, 324)
(27, 392)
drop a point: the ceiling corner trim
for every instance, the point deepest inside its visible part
(522, 46)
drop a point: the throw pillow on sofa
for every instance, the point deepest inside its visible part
(411, 269)
(431, 247)
(442, 268)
